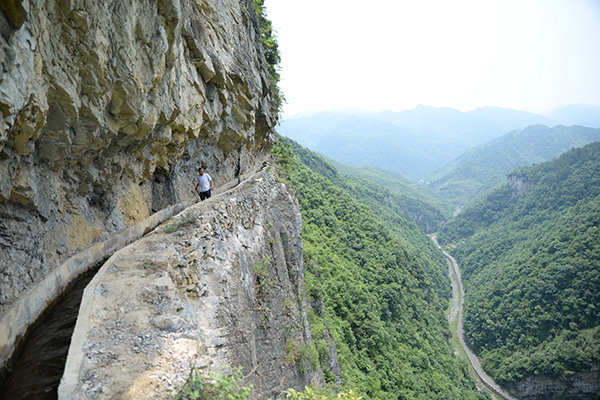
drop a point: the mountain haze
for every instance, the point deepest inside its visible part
(412, 143)
(580, 114)
(297, 270)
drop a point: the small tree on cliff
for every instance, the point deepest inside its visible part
(271, 51)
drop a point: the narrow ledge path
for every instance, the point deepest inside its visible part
(458, 295)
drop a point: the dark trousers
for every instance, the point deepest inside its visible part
(205, 195)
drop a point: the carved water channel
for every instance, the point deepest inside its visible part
(35, 370)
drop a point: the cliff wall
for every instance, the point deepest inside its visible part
(106, 110)
(585, 386)
(519, 185)
(220, 284)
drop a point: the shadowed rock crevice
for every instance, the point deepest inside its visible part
(162, 190)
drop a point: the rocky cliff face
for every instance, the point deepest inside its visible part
(579, 386)
(222, 283)
(106, 110)
(519, 185)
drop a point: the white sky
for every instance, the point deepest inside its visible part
(396, 54)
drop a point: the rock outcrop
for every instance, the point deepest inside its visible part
(585, 386)
(519, 185)
(106, 110)
(221, 283)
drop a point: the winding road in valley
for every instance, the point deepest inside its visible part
(458, 294)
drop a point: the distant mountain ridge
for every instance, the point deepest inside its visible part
(581, 114)
(413, 143)
(485, 166)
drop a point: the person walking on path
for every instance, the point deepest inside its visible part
(203, 184)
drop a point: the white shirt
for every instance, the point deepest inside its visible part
(203, 182)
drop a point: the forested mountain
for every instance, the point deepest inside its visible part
(381, 293)
(485, 166)
(387, 194)
(412, 143)
(530, 255)
(396, 184)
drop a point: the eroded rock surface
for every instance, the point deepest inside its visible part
(519, 185)
(220, 284)
(585, 386)
(106, 110)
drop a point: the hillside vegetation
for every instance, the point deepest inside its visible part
(529, 252)
(483, 167)
(419, 203)
(391, 197)
(381, 299)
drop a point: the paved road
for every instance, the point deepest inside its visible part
(457, 287)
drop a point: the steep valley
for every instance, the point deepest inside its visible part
(382, 292)
(295, 275)
(529, 254)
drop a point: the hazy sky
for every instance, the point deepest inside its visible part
(397, 54)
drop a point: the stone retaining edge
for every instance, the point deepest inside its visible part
(28, 308)
(70, 379)
(68, 383)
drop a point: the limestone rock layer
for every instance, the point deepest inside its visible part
(107, 108)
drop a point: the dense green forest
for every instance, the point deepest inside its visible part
(417, 202)
(530, 256)
(483, 167)
(393, 199)
(382, 299)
